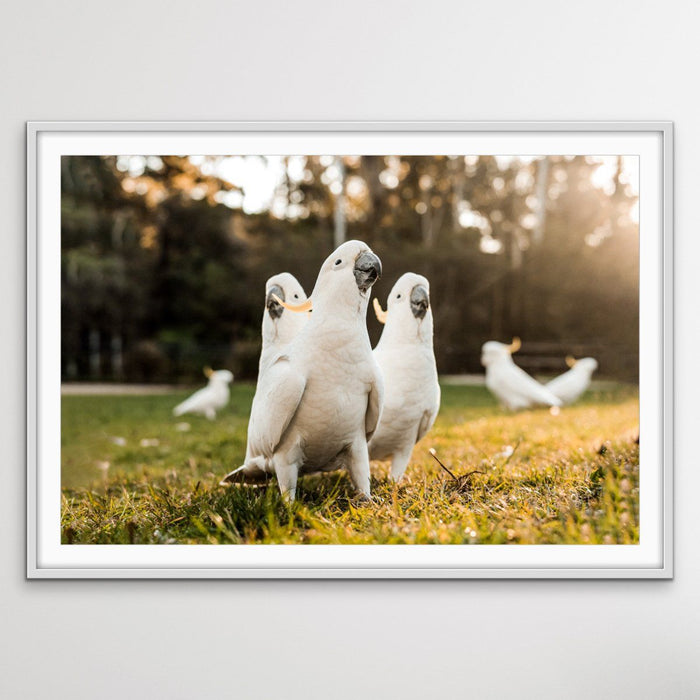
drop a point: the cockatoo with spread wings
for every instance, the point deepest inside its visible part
(405, 355)
(570, 386)
(319, 402)
(513, 387)
(212, 398)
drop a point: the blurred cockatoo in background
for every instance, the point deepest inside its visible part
(213, 397)
(513, 387)
(319, 402)
(405, 355)
(570, 386)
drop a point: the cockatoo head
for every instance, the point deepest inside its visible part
(344, 280)
(280, 325)
(285, 287)
(219, 376)
(586, 365)
(494, 352)
(408, 308)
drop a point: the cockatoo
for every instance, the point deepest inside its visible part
(513, 387)
(405, 356)
(213, 397)
(319, 402)
(280, 327)
(569, 386)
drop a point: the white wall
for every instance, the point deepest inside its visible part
(629, 59)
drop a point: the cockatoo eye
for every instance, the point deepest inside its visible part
(338, 261)
(398, 296)
(296, 296)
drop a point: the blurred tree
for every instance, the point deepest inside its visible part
(163, 271)
(102, 266)
(153, 277)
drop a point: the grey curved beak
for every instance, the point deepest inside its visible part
(420, 301)
(274, 308)
(368, 269)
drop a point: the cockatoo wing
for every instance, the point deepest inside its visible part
(428, 418)
(274, 406)
(375, 401)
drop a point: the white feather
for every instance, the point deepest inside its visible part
(412, 393)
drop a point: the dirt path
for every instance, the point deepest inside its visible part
(94, 389)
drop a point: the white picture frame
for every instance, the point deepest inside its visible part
(652, 557)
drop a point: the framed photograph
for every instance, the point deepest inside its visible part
(349, 350)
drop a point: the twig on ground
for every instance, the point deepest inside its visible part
(435, 457)
(461, 483)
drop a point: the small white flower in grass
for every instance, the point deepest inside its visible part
(506, 452)
(554, 410)
(150, 442)
(432, 451)
(472, 533)
(182, 427)
(118, 440)
(102, 466)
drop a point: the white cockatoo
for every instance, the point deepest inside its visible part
(570, 386)
(280, 327)
(405, 356)
(319, 402)
(213, 397)
(513, 387)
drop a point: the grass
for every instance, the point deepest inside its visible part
(131, 474)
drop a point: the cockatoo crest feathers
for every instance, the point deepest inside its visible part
(378, 311)
(299, 308)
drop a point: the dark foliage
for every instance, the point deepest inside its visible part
(160, 277)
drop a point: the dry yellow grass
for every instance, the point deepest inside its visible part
(538, 478)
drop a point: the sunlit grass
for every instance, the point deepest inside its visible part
(538, 478)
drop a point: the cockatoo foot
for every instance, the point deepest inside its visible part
(363, 499)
